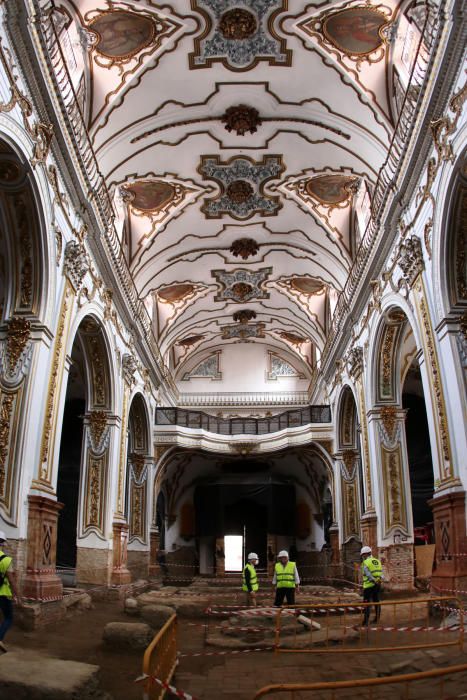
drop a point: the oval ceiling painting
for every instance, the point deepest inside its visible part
(306, 285)
(355, 31)
(330, 189)
(150, 195)
(121, 35)
(175, 292)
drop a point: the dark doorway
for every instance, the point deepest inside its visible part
(68, 482)
(247, 516)
(419, 453)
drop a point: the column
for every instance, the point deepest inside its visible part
(41, 582)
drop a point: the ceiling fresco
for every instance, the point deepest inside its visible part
(236, 139)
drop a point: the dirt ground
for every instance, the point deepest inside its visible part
(230, 676)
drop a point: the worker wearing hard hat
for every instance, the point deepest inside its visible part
(250, 579)
(286, 579)
(372, 574)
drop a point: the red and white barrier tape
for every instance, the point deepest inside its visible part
(224, 653)
(453, 628)
(171, 688)
(221, 627)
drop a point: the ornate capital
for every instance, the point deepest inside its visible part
(355, 361)
(98, 432)
(76, 263)
(18, 335)
(411, 259)
(129, 366)
(389, 420)
(138, 466)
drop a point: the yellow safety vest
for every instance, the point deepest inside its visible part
(374, 567)
(253, 578)
(5, 589)
(285, 575)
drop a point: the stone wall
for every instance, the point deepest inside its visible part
(17, 549)
(93, 565)
(138, 564)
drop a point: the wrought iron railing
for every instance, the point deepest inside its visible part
(387, 181)
(293, 418)
(87, 167)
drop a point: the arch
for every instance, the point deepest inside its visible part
(347, 419)
(24, 266)
(83, 471)
(137, 501)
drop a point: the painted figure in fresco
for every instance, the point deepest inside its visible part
(355, 31)
(122, 34)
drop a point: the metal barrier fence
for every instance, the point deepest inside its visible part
(160, 660)
(402, 625)
(436, 684)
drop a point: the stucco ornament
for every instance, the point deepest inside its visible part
(241, 118)
(411, 259)
(76, 263)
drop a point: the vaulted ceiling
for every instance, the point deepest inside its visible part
(240, 142)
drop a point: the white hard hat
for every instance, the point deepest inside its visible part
(2, 536)
(365, 550)
(283, 553)
(253, 555)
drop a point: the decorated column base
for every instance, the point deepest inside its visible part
(398, 566)
(450, 570)
(120, 573)
(220, 557)
(369, 528)
(41, 581)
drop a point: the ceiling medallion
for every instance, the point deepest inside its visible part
(244, 315)
(239, 37)
(293, 338)
(241, 119)
(237, 24)
(120, 35)
(239, 191)
(306, 285)
(244, 248)
(175, 292)
(332, 190)
(241, 285)
(241, 181)
(148, 195)
(191, 340)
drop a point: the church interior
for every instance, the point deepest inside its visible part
(233, 320)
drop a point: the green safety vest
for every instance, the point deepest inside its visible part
(375, 569)
(5, 562)
(285, 575)
(253, 578)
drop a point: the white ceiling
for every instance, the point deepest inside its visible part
(153, 116)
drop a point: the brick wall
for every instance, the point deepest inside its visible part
(398, 566)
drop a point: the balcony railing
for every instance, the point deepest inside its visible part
(242, 426)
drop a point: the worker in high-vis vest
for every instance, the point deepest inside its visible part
(250, 579)
(8, 590)
(372, 575)
(286, 579)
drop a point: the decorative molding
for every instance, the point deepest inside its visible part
(244, 315)
(75, 263)
(241, 118)
(278, 367)
(411, 259)
(393, 489)
(355, 361)
(99, 431)
(239, 37)
(244, 248)
(241, 181)
(206, 369)
(243, 331)
(129, 367)
(241, 285)
(16, 350)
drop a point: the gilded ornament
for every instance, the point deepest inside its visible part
(6, 410)
(244, 248)
(244, 315)
(241, 119)
(239, 191)
(411, 259)
(388, 419)
(97, 426)
(137, 462)
(18, 335)
(237, 24)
